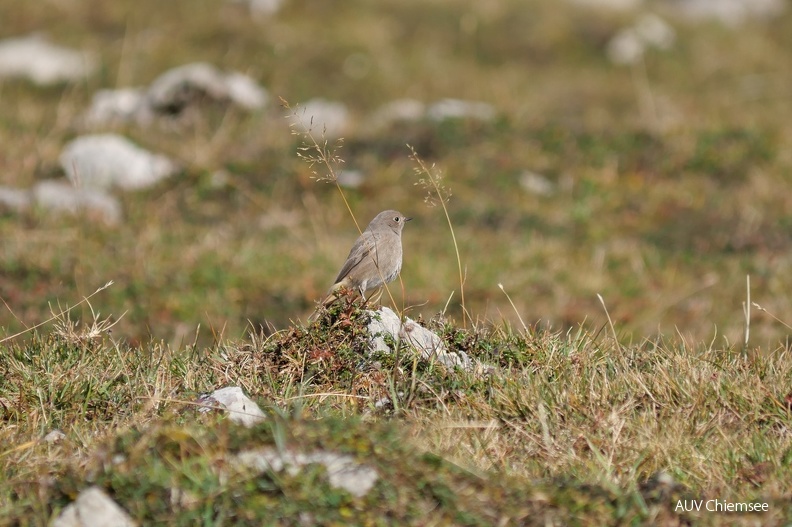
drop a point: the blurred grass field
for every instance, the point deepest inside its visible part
(670, 183)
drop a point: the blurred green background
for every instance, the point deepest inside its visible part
(659, 184)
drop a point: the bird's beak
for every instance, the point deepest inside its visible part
(407, 219)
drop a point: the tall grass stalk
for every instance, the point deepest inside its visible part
(430, 179)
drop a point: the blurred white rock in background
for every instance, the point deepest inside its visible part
(729, 12)
(399, 110)
(350, 178)
(323, 118)
(262, 7)
(173, 92)
(15, 199)
(111, 161)
(537, 184)
(61, 196)
(618, 5)
(116, 106)
(34, 57)
(630, 44)
(460, 109)
(181, 86)
(343, 471)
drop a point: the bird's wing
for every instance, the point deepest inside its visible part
(359, 252)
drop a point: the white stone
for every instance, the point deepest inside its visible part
(323, 118)
(399, 110)
(15, 199)
(176, 88)
(112, 161)
(343, 471)
(33, 57)
(245, 92)
(350, 178)
(384, 322)
(649, 31)
(93, 508)
(241, 409)
(172, 92)
(537, 184)
(55, 436)
(459, 109)
(62, 196)
(626, 47)
(729, 12)
(262, 7)
(117, 106)
(655, 31)
(615, 5)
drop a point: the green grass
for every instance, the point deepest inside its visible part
(672, 184)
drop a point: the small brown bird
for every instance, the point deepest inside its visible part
(375, 259)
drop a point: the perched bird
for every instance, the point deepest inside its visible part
(375, 259)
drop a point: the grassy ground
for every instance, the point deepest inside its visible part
(671, 186)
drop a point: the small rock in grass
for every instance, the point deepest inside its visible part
(241, 409)
(399, 110)
(343, 471)
(459, 109)
(93, 508)
(323, 118)
(351, 179)
(15, 199)
(55, 436)
(33, 57)
(537, 184)
(62, 196)
(118, 106)
(729, 12)
(630, 44)
(179, 87)
(173, 92)
(384, 322)
(111, 161)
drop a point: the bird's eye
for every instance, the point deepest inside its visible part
(397, 219)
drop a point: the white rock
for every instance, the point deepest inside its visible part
(34, 58)
(107, 160)
(15, 199)
(241, 409)
(172, 92)
(118, 106)
(350, 178)
(616, 5)
(729, 12)
(262, 7)
(343, 471)
(399, 110)
(537, 184)
(626, 47)
(649, 31)
(459, 109)
(322, 118)
(384, 322)
(655, 31)
(179, 87)
(93, 508)
(62, 196)
(245, 92)
(55, 436)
